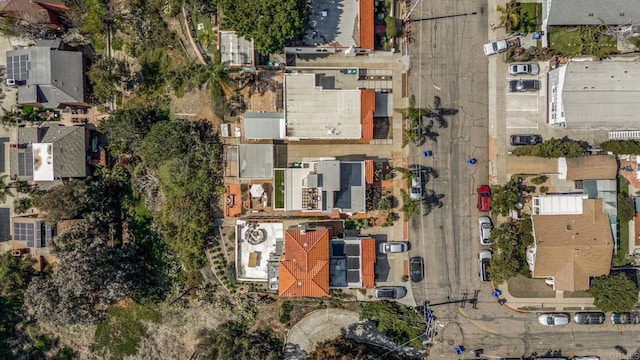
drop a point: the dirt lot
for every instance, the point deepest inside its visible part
(195, 105)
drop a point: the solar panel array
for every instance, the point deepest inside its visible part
(25, 163)
(18, 67)
(42, 241)
(24, 232)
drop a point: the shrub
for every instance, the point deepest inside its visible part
(385, 203)
(544, 189)
(621, 147)
(392, 27)
(285, 312)
(539, 180)
(553, 148)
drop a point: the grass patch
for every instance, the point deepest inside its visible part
(529, 17)
(583, 40)
(121, 331)
(278, 180)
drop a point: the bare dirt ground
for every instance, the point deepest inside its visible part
(195, 105)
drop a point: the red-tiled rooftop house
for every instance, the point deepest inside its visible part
(304, 266)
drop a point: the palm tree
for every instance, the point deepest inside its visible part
(5, 189)
(207, 38)
(509, 15)
(409, 207)
(220, 77)
(407, 174)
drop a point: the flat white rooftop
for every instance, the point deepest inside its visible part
(312, 112)
(566, 204)
(254, 243)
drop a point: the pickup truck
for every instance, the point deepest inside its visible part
(501, 46)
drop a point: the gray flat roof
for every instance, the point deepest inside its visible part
(315, 113)
(332, 22)
(602, 95)
(264, 125)
(235, 49)
(593, 12)
(255, 161)
(384, 105)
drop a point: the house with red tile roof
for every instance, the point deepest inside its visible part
(312, 262)
(304, 265)
(47, 12)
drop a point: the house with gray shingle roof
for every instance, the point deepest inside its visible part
(47, 75)
(49, 152)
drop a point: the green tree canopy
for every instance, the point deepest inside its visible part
(106, 75)
(66, 201)
(614, 293)
(399, 323)
(127, 128)
(232, 340)
(347, 349)
(270, 23)
(621, 147)
(553, 148)
(504, 197)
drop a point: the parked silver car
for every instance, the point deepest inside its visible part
(524, 69)
(393, 247)
(484, 228)
(553, 319)
(390, 292)
(416, 186)
(625, 318)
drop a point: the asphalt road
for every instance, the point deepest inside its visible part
(447, 61)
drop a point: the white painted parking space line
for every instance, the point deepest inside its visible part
(522, 102)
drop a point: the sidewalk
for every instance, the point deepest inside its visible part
(557, 303)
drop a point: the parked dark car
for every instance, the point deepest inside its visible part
(390, 292)
(589, 318)
(484, 258)
(525, 139)
(524, 85)
(625, 318)
(416, 268)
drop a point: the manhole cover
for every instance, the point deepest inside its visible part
(450, 342)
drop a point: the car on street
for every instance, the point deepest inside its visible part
(484, 258)
(525, 139)
(524, 85)
(589, 318)
(484, 193)
(524, 69)
(416, 268)
(393, 247)
(390, 292)
(553, 319)
(484, 226)
(625, 318)
(416, 187)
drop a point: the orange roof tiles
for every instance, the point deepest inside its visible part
(365, 25)
(367, 108)
(368, 260)
(232, 201)
(368, 171)
(304, 268)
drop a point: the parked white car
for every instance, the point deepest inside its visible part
(393, 247)
(553, 319)
(484, 228)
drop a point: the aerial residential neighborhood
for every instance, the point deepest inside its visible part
(398, 179)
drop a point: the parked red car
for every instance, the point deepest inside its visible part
(484, 193)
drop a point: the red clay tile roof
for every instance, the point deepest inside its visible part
(232, 201)
(304, 268)
(368, 171)
(365, 25)
(368, 259)
(367, 108)
(637, 226)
